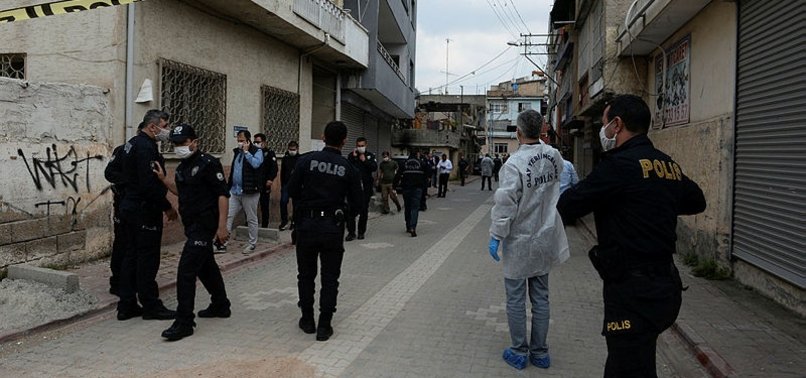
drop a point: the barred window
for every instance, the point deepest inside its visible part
(198, 97)
(12, 65)
(280, 117)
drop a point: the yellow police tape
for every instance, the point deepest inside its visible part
(56, 7)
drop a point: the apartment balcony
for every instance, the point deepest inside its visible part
(652, 22)
(305, 24)
(425, 138)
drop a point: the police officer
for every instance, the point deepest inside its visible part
(141, 214)
(320, 184)
(411, 180)
(269, 173)
(635, 193)
(199, 183)
(114, 174)
(366, 164)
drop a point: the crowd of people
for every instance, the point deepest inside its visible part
(636, 194)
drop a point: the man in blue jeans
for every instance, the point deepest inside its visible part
(526, 220)
(411, 180)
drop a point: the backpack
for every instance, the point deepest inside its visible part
(114, 169)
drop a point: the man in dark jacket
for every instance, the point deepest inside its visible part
(636, 194)
(497, 164)
(429, 168)
(269, 172)
(366, 165)
(286, 170)
(463, 167)
(141, 211)
(245, 182)
(114, 174)
(411, 180)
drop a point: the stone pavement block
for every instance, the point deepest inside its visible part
(263, 234)
(64, 280)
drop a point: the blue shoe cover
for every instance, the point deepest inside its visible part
(515, 360)
(541, 362)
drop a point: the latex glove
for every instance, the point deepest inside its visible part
(494, 243)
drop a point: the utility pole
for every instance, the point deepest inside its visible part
(526, 44)
(447, 45)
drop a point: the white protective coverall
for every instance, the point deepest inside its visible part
(525, 216)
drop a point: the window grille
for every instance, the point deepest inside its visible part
(501, 148)
(280, 117)
(198, 97)
(13, 66)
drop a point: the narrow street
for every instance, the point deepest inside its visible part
(431, 306)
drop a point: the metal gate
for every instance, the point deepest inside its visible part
(769, 218)
(353, 117)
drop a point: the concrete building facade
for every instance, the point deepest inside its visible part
(504, 102)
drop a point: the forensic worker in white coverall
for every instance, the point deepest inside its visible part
(526, 224)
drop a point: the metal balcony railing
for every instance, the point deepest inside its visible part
(425, 138)
(388, 58)
(323, 14)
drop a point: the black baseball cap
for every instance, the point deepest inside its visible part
(182, 132)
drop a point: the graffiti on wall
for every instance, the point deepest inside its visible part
(56, 169)
(673, 104)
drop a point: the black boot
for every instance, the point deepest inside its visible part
(216, 310)
(324, 331)
(178, 330)
(306, 322)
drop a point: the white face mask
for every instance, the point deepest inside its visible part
(362, 150)
(240, 144)
(292, 152)
(607, 143)
(386, 158)
(183, 152)
(163, 134)
(259, 144)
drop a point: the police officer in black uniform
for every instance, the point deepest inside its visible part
(141, 214)
(366, 164)
(320, 184)
(635, 193)
(114, 174)
(269, 173)
(203, 200)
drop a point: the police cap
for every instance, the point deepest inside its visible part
(182, 132)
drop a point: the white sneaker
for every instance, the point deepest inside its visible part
(248, 249)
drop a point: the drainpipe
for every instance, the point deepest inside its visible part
(129, 127)
(309, 52)
(338, 96)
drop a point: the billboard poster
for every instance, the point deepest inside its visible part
(673, 101)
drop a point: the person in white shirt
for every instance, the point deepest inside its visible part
(444, 168)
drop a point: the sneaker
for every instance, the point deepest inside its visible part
(307, 324)
(282, 226)
(515, 360)
(248, 249)
(398, 208)
(219, 247)
(541, 362)
(350, 237)
(291, 227)
(360, 237)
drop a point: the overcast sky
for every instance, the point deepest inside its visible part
(477, 36)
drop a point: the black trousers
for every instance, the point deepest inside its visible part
(489, 182)
(314, 247)
(118, 251)
(362, 215)
(141, 260)
(197, 261)
(443, 184)
(637, 310)
(462, 176)
(423, 197)
(265, 195)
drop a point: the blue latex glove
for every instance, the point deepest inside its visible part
(494, 243)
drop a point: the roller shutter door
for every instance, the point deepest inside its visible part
(769, 215)
(353, 117)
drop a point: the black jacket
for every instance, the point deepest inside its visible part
(635, 193)
(252, 178)
(144, 191)
(411, 176)
(365, 168)
(287, 167)
(114, 174)
(321, 182)
(200, 182)
(268, 169)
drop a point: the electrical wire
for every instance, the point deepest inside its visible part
(514, 7)
(474, 72)
(503, 10)
(504, 24)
